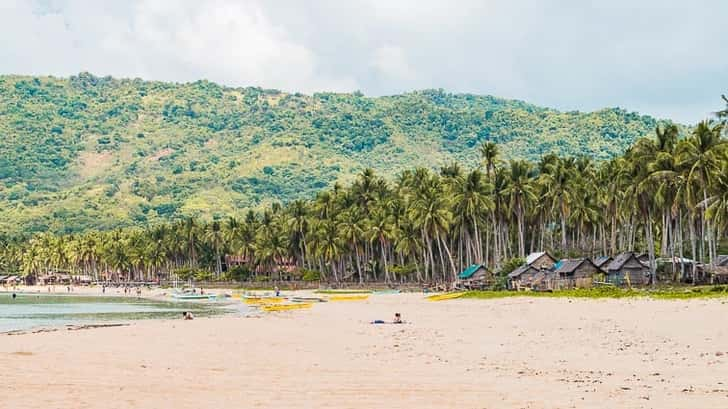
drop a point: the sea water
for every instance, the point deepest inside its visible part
(28, 311)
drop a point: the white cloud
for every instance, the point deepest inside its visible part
(225, 41)
(390, 61)
(661, 57)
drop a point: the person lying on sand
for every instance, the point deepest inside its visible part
(397, 320)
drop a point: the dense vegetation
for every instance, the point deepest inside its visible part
(100, 153)
(666, 196)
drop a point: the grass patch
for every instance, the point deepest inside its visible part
(665, 293)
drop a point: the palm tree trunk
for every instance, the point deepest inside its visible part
(449, 256)
(384, 260)
(358, 264)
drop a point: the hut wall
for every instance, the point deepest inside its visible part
(545, 261)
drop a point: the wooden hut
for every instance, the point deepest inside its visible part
(540, 260)
(626, 268)
(575, 273)
(602, 262)
(720, 272)
(521, 277)
(475, 276)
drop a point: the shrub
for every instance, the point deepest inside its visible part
(311, 275)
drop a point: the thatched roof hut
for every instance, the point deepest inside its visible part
(577, 273)
(541, 259)
(602, 262)
(626, 268)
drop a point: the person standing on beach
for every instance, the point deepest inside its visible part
(278, 291)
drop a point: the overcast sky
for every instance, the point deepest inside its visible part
(662, 57)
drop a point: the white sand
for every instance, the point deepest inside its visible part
(508, 353)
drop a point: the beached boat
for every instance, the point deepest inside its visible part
(263, 300)
(385, 292)
(446, 296)
(348, 297)
(308, 299)
(285, 307)
(194, 296)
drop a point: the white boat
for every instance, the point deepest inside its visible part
(193, 296)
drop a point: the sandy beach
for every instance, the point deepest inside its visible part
(506, 353)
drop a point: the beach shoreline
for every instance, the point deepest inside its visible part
(505, 353)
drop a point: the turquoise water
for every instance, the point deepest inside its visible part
(28, 311)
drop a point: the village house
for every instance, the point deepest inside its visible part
(720, 272)
(541, 260)
(575, 273)
(475, 276)
(627, 269)
(602, 262)
(524, 276)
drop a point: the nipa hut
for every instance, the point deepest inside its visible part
(575, 273)
(475, 276)
(626, 268)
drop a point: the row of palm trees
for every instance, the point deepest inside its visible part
(666, 196)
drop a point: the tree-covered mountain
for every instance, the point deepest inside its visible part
(89, 152)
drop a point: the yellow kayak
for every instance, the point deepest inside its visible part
(285, 307)
(263, 300)
(348, 297)
(447, 296)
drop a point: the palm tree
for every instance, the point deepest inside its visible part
(215, 237)
(351, 227)
(298, 222)
(489, 155)
(521, 192)
(702, 155)
(471, 205)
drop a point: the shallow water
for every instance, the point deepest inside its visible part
(28, 311)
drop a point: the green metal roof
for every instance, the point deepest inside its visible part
(468, 272)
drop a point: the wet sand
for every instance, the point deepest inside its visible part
(507, 353)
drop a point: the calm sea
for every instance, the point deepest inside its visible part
(28, 311)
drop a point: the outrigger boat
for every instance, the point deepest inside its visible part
(447, 296)
(263, 300)
(349, 297)
(193, 296)
(308, 299)
(285, 307)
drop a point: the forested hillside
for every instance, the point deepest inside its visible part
(89, 152)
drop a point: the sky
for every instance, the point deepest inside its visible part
(665, 58)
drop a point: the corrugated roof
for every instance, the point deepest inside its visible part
(619, 261)
(599, 261)
(569, 266)
(722, 260)
(468, 272)
(534, 256)
(520, 270)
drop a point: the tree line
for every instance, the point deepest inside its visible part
(666, 196)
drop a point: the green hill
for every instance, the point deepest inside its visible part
(89, 152)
